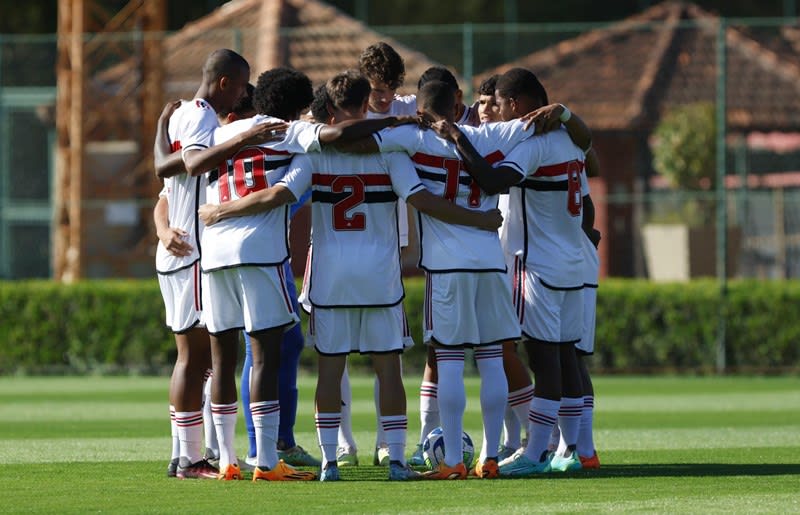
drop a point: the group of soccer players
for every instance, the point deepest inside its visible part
(238, 160)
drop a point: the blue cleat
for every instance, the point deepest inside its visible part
(520, 465)
(330, 472)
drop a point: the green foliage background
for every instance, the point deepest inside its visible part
(117, 327)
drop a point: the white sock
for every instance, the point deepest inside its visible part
(176, 442)
(208, 421)
(494, 397)
(266, 416)
(511, 429)
(428, 409)
(327, 430)
(520, 402)
(585, 436)
(556, 443)
(380, 436)
(225, 423)
(569, 419)
(452, 402)
(345, 435)
(395, 429)
(542, 418)
(190, 434)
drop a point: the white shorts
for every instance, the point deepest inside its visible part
(253, 298)
(182, 298)
(469, 308)
(336, 331)
(591, 263)
(546, 313)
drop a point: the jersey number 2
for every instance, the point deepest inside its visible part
(341, 221)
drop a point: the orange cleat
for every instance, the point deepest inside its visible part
(231, 472)
(488, 469)
(282, 472)
(590, 463)
(458, 471)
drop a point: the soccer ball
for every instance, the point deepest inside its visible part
(433, 449)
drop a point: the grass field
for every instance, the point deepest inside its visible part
(700, 445)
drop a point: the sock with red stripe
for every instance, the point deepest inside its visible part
(494, 397)
(585, 436)
(542, 417)
(327, 429)
(225, 422)
(428, 409)
(190, 434)
(395, 429)
(266, 417)
(452, 401)
(520, 403)
(569, 419)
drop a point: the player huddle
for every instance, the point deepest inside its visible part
(237, 160)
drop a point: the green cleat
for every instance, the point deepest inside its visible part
(520, 465)
(298, 457)
(565, 463)
(346, 457)
(416, 459)
(381, 457)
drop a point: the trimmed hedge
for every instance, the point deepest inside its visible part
(117, 327)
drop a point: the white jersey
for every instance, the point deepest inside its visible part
(448, 247)
(400, 106)
(260, 239)
(356, 253)
(545, 209)
(191, 126)
(469, 117)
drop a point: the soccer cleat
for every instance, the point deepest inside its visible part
(416, 459)
(381, 457)
(565, 463)
(592, 463)
(249, 464)
(458, 471)
(282, 472)
(298, 457)
(172, 468)
(199, 470)
(520, 465)
(346, 457)
(488, 469)
(504, 452)
(211, 456)
(231, 472)
(330, 472)
(400, 472)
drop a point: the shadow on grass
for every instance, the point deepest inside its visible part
(688, 470)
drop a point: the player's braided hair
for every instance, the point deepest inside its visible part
(519, 81)
(438, 73)
(282, 93)
(381, 63)
(437, 97)
(488, 85)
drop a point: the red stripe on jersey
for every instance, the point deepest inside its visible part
(271, 152)
(439, 162)
(196, 278)
(175, 146)
(369, 179)
(557, 169)
(494, 157)
(284, 290)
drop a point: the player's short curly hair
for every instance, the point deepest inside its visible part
(283, 93)
(346, 90)
(520, 81)
(381, 63)
(488, 85)
(436, 97)
(319, 106)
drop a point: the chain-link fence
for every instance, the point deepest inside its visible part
(624, 79)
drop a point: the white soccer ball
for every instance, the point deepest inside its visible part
(433, 449)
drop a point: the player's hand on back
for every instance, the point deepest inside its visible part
(594, 236)
(209, 213)
(265, 133)
(410, 120)
(174, 240)
(446, 130)
(545, 118)
(493, 220)
(169, 108)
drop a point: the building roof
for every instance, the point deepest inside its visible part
(307, 35)
(625, 76)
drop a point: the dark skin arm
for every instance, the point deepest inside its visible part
(438, 207)
(199, 161)
(167, 163)
(350, 131)
(592, 170)
(547, 119)
(171, 237)
(365, 143)
(491, 180)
